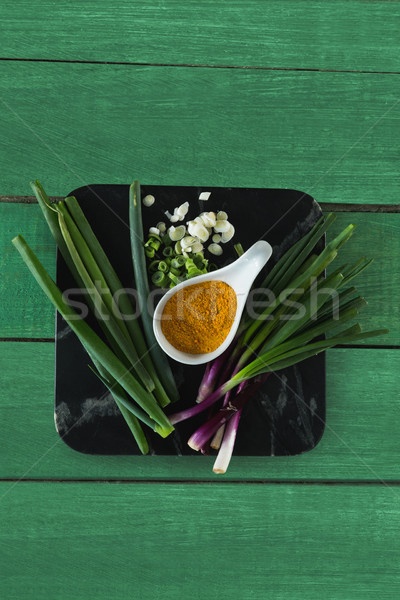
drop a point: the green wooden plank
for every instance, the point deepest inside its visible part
(177, 541)
(360, 442)
(292, 34)
(331, 134)
(377, 236)
(27, 313)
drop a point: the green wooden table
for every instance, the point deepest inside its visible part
(296, 94)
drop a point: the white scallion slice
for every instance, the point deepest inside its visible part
(177, 233)
(221, 226)
(215, 249)
(197, 247)
(222, 216)
(200, 231)
(174, 219)
(154, 230)
(204, 195)
(182, 210)
(216, 238)
(187, 241)
(209, 219)
(191, 227)
(148, 200)
(226, 236)
(161, 226)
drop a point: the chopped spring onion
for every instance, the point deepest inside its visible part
(222, 226)
(173, 278)
(226, 236)
(168, 252)
(150, 252)
(177, 233)
(162, 266)
(148, 200)
(215, 249)
(197, 247)
(209, 219)
(187, 241)
(204, 195)
(198, 230)
(239, 249)
(159, 278)
(178, 262)
(182, 210)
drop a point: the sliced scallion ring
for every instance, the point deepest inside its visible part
(159, 279)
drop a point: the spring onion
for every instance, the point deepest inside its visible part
(168, 251)
(177, 233)
(117, 328)
(148, 200)
(161, 227)
(127, 350)
(142, 284)
(204, 196)
(226, 236)
(215, 249)
(279, 337)
(92, 341)
(127, 310)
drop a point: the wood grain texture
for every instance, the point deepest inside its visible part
(333, 135)
(24, 307)
(360, 442)
(26, 312)
(306, 34)
(176, 541)
(377, 236)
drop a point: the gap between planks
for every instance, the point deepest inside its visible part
(195, 66)
(326, 206)
(300, 482)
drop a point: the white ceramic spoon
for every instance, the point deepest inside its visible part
(240, 276)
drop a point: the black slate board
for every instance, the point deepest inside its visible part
(285, 418)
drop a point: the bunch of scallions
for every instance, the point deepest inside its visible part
(130, 363)
(280, 336)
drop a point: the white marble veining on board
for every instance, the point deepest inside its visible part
(90, 409)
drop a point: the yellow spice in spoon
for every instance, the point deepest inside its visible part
(198, 317)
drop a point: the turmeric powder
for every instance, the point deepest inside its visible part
(198, 317)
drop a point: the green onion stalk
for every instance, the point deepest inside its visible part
(139, 379)
(280, 336)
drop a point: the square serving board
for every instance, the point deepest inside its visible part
(285, 418)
